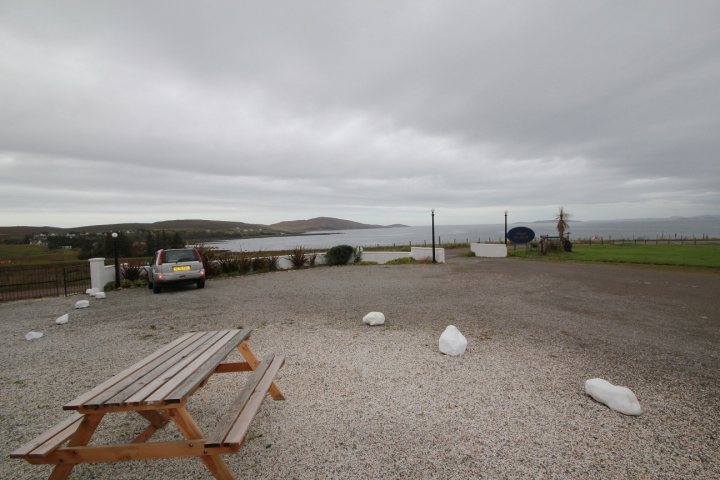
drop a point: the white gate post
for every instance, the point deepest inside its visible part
(97, 273)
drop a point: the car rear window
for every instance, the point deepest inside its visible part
(173, 256)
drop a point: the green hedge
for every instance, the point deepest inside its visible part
(339, 255)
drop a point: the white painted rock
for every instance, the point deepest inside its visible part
(92, 291)
(452, 342)
(62, 320)
(100, 295)
(620, 399)
(374, 318)
(82, 304)
(33, 335)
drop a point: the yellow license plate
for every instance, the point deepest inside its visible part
(181, 268)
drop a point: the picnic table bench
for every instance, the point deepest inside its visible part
(158, 388)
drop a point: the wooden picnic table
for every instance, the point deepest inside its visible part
(158, 388)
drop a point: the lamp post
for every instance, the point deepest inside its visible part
(432, 213)
(505, 227)
(117, 264)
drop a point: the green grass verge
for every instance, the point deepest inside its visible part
(24, 250)
(681, 255)
(30, 254)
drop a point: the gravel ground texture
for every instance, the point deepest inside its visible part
(382, 402)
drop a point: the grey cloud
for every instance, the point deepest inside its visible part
(381, 107)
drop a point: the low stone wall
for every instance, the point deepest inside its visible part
(489, 250)
(101, 274)
(426, 253)
(383, 257)
(284, 263)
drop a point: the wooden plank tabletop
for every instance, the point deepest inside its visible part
(166, 376)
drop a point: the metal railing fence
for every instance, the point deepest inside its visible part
(34, 281)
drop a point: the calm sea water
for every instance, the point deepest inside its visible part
(629, 229)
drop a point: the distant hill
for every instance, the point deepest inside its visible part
(193, 225)
(21, 230)
(321, 223)
(199, 229)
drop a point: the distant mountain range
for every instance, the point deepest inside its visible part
(323, 223)
(649, 219)
(196, 228)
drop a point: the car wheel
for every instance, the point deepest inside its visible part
(201, 283)
(156, 288)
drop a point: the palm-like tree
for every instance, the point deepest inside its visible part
(562, 223)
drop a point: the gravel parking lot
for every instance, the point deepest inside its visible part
(382, 402)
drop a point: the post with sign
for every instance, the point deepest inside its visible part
(432, 212)
(520, 235)
(117, 264)
(506, 227)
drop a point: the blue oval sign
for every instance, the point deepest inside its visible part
(520, 235)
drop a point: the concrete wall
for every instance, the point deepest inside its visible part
(284, 263)
(383, 257)
(426, 253)
(488, 249)
(100, 274)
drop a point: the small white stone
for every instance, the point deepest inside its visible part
(92, 291)
(620, 399)
(452, 342)
(62, 320)
(33, 335)
(100, 295)
(82, 304)
(374, 318)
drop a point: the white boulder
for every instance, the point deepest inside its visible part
(33, 335)
(620, 399)
(92, 291)
(62, 320)
(374, 318)
(100, 295)
(452, 342)
(82, 304)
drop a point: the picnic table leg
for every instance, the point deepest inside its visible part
(81, 437)
(253, 361)
(157, 420)
(192, 431)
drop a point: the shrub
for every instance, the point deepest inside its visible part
(297, 257)
(365, 263)
(339, 255)
(244, 263)
(311, 259)
(132, 272)
(209, 256)
(258, 263)
(271, 263)
(401, 261)
(125, 283)
(229, 263)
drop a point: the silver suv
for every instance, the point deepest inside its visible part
(175, 266)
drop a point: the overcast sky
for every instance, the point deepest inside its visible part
(374, 111)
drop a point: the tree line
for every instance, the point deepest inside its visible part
(128, 245)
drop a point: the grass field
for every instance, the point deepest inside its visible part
(681, 255)
(29, 254)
